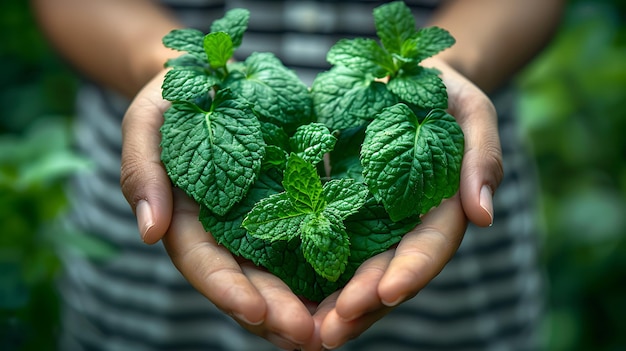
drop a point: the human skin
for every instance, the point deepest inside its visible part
(109, 42)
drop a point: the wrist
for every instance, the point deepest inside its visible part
(148, 62)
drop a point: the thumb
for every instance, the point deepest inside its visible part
(481, 171)
(143, 179)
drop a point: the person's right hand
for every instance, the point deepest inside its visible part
(256, 299)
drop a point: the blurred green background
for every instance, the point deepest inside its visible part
(572, 108)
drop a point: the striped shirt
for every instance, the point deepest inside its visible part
(489, 297)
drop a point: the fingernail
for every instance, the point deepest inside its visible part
(245, 320)
(392, 303)
(328, 347)
(486, 201)
(145, 220)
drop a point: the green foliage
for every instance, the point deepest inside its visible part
(349, 94)
(572, 106)
(311, 212)
(223, 143)
(35, 161)
(33, 169)
(411, 165)
(241, 139)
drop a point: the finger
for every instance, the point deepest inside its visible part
(358, 305)
(481, 170)
(320, 313)
(288, 322)
(423, 252)
(336, 331)
(143, 179)
(360, 295)
(209, 267)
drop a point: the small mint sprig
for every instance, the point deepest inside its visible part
(350, 94)
(276, 93)
(312, 212)
(213, 143)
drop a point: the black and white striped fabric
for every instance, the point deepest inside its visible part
(489, 297)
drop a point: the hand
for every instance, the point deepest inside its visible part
(256, 299)
(388, 279)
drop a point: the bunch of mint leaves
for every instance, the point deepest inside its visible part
(310, 183)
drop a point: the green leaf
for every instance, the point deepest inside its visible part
(228, 230)
(275, 218)
(420, 86)
(275, 135)
(278, 217)
(188, 40)
(363, 55)
(410, 166)
(345, 196)
(344, 98)
(312, 141)
(447, 135)
(303, 185)
(187, 83)
(274, 157)
(214, 156)
(276, 92)
(219, 48)
(235, 23)
(371, 232)
(426, 42)
(394, 24)
(187, 60)
(325, 244)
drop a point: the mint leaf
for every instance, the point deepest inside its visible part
(235, 23)
(426, 42)
(215, 155)
(276, 92)
(406, 164)
(371, 232)
(447, 136)
(274, 157)
(219, 48)
(187, 83)
(361, 54)
(303, 185)
(345, 156)
(275, 135)
(187, 60)
(275, 218)
(345, 196)
(394, 25)
(188, 40)
(345, 98)
(325, 244)
(420, 86)
(312, 141)
(227, 229)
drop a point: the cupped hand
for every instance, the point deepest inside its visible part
(388, 279)
(256, 299)
(262, 303)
